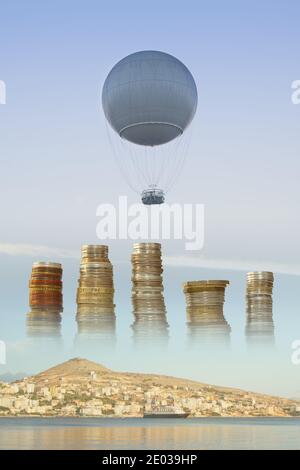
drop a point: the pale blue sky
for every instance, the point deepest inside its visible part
(243, 163)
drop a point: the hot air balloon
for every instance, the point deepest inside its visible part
(149, 99)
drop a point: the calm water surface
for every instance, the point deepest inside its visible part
(207, 433)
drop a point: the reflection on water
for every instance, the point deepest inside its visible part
(205, 433)
(95, 327)
(208, 328)
(44, 323)
(150, 328)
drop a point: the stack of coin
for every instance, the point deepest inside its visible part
(203, 297)
(259, 306)
(260, 284)
(208, 329)
(147, 282)
(150, 328)
(95, 286)
(45, 286)
(95, 328)
(206, 323)
(44, 323)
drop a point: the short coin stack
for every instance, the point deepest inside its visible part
(260, 286)
(45, 286)
(205, 296)
(147, 282)
(96, 287)
(204, 310)
(259, 306)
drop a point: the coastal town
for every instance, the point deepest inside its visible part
(83, 388)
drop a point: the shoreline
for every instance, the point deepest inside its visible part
(142, 418)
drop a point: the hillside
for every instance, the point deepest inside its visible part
(78, 370)
(73, 370)
(80, 387)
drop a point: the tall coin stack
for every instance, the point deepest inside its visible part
(95, 293)
(147, 282)
(150, 320)
(259, 306)
(45, 287)
(44, 323)
(204, 310)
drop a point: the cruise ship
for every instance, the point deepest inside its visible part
(165, 412)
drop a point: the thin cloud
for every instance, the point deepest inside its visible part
(231, 264)
(43, 251)
(17, 249)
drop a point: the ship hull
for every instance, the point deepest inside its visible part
(166, 415)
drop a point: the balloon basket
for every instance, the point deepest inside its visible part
(153, 196)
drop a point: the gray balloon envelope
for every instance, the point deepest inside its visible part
(149, 98)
